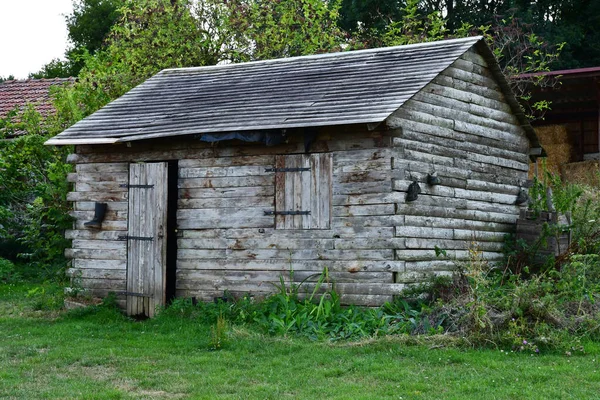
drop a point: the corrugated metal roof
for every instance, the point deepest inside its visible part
(364, 86)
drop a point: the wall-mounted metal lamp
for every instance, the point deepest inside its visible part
(433, 179)
(522, 197)
(413, 192)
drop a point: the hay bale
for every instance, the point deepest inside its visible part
(585, 172)
(552, 134)
(555, 140)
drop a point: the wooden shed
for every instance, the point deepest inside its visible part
(225, 178)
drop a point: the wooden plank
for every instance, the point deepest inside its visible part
(285, 266)
(109, 216)
(226, 182)
(99, 244)
(304, 254)
(103, 176)
(220, 171)
(273, 234)
(275, 242)
(106, 225)
(92, 234)
(81, 263)
(265, 202)
(117, 274)
(91, 206)
(240, 222)
(280, 193)
(87, 168)
(96, 254)
(227, 192)
(362, 210)
(244, 161)
(97, 196)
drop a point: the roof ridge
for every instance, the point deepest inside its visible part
(349, 53)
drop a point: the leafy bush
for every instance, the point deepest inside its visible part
(8, 272)
(316, 315)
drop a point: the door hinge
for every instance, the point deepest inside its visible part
(287, 212)
(286, 169)
(127, 185)
(127, 237)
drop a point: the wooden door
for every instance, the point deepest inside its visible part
(146, 237)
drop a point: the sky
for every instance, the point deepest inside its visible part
(33, 32)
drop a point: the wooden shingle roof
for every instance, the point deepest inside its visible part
(364, 86)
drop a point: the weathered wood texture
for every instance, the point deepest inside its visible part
(99, 259)
(146, 251)
(374, 243)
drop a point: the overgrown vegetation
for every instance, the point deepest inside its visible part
(516, 305)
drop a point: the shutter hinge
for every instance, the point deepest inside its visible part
(287, 212)
(126, 185)
(286, 169)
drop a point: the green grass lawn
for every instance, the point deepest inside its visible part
(46, 355)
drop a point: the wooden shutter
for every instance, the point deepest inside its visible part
(303, 185)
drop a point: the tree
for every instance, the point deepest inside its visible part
(284, 28)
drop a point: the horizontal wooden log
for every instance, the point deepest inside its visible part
(424, 232)
(455, 223)
(363, 210)
(96, 254)
(106, 225)
(109, 284)
(222, 172)
(91, 206)
(444, 212)
(369, 243)
(285, 266)
(250, 161)
(298, 276)
(227, 192)
(102, 168)
(97, 196)
(117, 274)
(280, 242)
(365, 187)
(227, 182)
(109, 216)
(99, 187)
(271, 234)
(93, 177)
(266, 202)
(239, 222)
(99, 244)
(81, 263)
(305, 254)
(369, 222)
(89, 234)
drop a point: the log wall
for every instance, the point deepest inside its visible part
(459, 126)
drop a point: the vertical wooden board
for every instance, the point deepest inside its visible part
(159, 179)
(325, 189)
(321, 182)
(290, 162)
(280, 183)
(297, 190)
(305, 205)
(314, 191)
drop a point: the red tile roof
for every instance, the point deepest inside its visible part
(19, 93)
